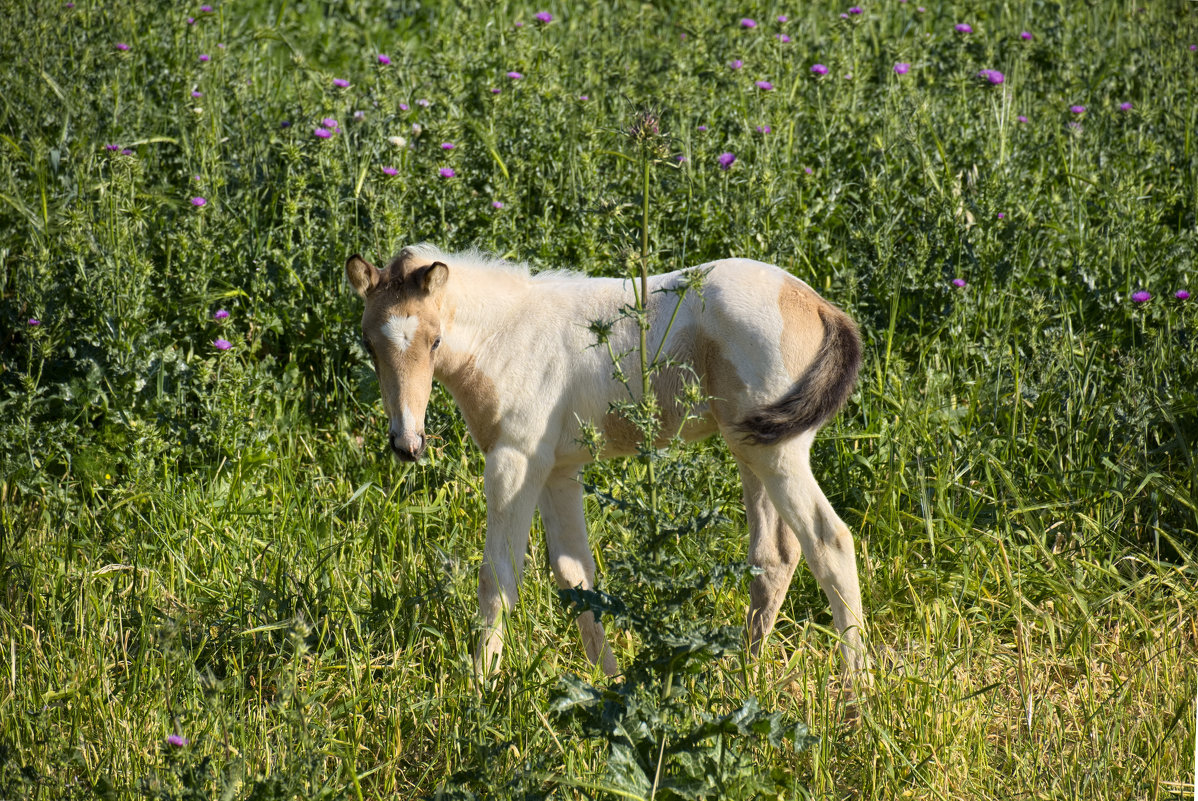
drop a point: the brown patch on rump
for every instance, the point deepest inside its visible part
(802, 330)
(475, 395)
(819, 392)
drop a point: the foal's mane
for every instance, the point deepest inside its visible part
(475, 259)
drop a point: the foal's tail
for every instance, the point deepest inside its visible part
(818, 393)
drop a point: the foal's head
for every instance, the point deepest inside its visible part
(401, 330)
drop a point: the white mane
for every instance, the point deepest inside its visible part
(475, 259)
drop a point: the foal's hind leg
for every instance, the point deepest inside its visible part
(774, 549)
(570, 555)
(827, 544)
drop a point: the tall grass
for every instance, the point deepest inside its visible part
(213, 544)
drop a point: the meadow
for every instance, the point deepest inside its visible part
(215, 582)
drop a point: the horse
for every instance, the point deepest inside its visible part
(516, 350)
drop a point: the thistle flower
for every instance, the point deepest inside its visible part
(902, 68)
(341, 83)
(403, 107)
(543, 17)
(1078, 109)
(323, 133)
(204, 57)
(198, 201)
(126, 152)
(764, 129)
(783, 38)
(36, 322)
(176, 740)
(219, 344)
(819, 69)
(963, 27)
(329, 122)
(122, 46)
(447, 145)
(112, 147)
(384, 59)
(1021, 118)
(959, 283)
(447, 172)
(746, 22)
(221, 314)
(206, 9)
(765, 86)
(726, 160)
(992, 77)
(735, 64)
(783, 18)
(1026, 36)
(515, 76)
(855, 10)
(424, 102)
(1180, 294)
(390, 171)
(497, 204)
(1125, 106)
(1002, 215)
(1143, 296)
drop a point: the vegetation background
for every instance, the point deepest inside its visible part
(210, 544)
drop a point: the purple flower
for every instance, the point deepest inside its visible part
(844, 16)
(191, 20)
(403, 106)
(323, 133)
(68, 5)
(1143, 296)
(921, 9)
(329, 122)
(1180, 294)
(963, 27)
(902, 68)
(783, 38)
(341, 83)
(221, 314)
(959, 283)
(702, 128)
(1193, 48)
(1021, 118)
(447, 172)
(359, 115)
(993, 77)
(497, 204)
(196, 93)
(518, 25)
(112, 147)
(783, 18)
(856, 10)
(122, 46)
(126, 152)
(1078, 109)
(584, 98)
(515, 76)
(35, 322)
(176, 740)
(205, 57)
(765, 86)
(384, 59)
(764, 129)
(285, 124)
(1026, 36)
(447, 145)
(808, 170)
(819, 69)
(748, 23)
(220, 344)
(206, 9)
(543, 17)
(735, 64)
(726, 160)
(495, 90)
(1001, 216)
(198, 201)
(1125, 106)
(390, 171)
(424, 102)
(680, 158)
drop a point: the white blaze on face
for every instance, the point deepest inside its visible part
(399, 331)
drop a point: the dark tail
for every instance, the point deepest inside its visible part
(818, 393)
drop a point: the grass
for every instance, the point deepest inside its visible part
(213, 544)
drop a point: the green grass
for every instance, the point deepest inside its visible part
(214, 544)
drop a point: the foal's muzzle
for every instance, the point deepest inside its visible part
(407, 449)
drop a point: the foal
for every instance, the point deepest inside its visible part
(774, 359)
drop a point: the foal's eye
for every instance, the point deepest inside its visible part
(436, 343)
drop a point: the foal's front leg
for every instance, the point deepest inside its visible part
(512, 482)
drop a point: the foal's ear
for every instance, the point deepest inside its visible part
(361, 274)
(434, 277)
